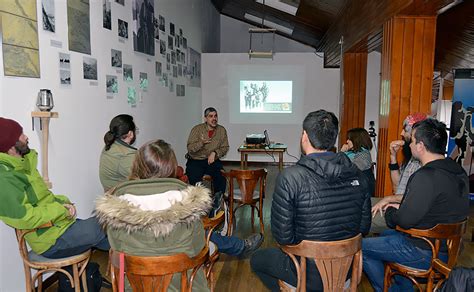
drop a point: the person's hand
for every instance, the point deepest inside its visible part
(205, 140)
(345, 148)
(380, 207)
(393, 205)
(395, 146)
(211, 158)
(72, 210)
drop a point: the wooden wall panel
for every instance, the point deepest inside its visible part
(407, 76)
(352, 113)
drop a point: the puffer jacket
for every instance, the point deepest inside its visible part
(324, 197)
(153, 217)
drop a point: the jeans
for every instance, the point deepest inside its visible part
(79, 237)
(196, 169)
(392, 246)
(272, 264)
(230, 245)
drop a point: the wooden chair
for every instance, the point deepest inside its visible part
(32, 260)
(452, 233)
(209, 225)
(333, 260)
(154, 273)
(246, 193)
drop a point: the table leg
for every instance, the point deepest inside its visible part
(280, 161)
(246, 160)
(242, 157)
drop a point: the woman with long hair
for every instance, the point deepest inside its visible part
(154, 213)
(357, 148)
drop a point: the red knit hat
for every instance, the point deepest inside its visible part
(413, 119)
(10, 132)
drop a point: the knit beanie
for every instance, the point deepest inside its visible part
(10, 132)
(413, 119)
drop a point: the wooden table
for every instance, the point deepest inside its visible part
(245, 151)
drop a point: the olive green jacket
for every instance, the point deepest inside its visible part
(115, 164)
(155, 217)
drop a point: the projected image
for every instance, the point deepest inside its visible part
(266, 96)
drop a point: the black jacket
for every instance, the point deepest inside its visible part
(323, 197)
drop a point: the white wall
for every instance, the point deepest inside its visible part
(321, 91)
(372, 100)
(85, 112)
(235, 39)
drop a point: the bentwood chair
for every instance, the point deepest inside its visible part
(333, 260)
(245, 192)
(209, 225)
(436, 274)
(34, 261)
(154, 273)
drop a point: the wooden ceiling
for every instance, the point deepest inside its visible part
(321, 23)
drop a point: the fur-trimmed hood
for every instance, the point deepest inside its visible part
(132, 206)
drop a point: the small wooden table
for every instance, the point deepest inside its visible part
(245, 151)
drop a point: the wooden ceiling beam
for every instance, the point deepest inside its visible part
(352, 23)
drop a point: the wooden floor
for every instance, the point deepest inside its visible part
(234, 274)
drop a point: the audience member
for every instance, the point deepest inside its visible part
(399, 175)
(324, 197)
(27, 203)
(118, 154)
(207, 143)
(357, 148)
(437, 193)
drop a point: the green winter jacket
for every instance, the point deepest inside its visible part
(153, 217)
(115, 164)
(26, 201)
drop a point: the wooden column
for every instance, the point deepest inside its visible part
(352, 113)
(407, 77)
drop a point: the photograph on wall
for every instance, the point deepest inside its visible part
(178, 56)
(181, 32)
(106, 14)
(111, 84)
(64, 61)
(461, 135)
(116, 58)
(143, 81)
(173, 58)
(171, 28)
(143, 13)
(156, 28)
(65, 77)
(170, 42)
(175, 72)
(121, 2)
(132, 96)
(89, 67)
(164, 80)
(176, 41)
(47, 9)
(180, 90)
(122, 29)
(183, 58)
(127, 73)
(162, 47)
(78, 20)
(195, 68)
(19, 30)
(158, 69)
(161, 21)
(168, 66)
(171, 85)
(185, 43)
(180, 70)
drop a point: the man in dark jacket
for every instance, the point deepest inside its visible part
(324, 197)
(437, 193)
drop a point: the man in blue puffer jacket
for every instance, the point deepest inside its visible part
(324, 197)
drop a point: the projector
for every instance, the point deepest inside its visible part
(255, 139)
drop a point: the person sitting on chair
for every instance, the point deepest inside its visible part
(324, 197)
(27, 203)
(207, 142)
(437, 193)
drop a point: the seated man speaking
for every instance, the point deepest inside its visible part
(27, 203)
(207, 143)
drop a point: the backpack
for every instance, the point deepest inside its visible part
(93, 276)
